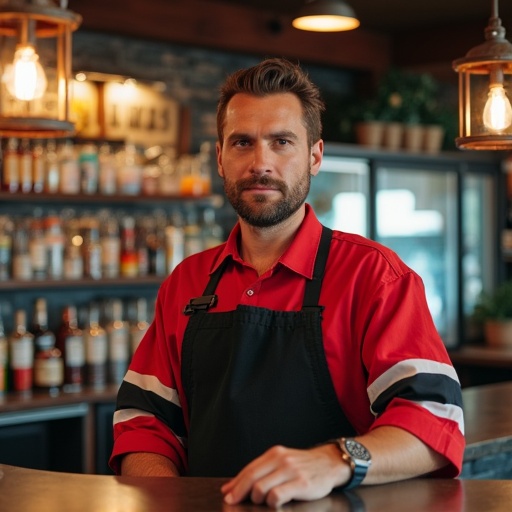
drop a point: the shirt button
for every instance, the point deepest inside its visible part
(250, 293)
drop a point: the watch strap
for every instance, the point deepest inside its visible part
(358, 468)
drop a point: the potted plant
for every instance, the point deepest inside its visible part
(494, 312)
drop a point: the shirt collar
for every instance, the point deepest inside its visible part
(299, 257)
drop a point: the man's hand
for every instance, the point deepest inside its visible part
(283, 474)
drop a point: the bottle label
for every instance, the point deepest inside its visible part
(22, 267)
(22, 354)
(119, 345)
(11, 171)
(38, 255)
(48, 372)
(22, 379)
(74, 351)
(110, 254)
(69, 177)
(96, 349)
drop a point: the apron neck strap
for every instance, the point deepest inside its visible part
(312, 292)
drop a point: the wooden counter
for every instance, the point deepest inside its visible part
(488, 426)
(29, 490)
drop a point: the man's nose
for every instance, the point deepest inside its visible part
(261, 159)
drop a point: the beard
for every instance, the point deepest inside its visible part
(260, 211)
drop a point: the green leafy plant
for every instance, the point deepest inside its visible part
(496, 305)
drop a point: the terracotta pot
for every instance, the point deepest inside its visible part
(498, 333)
(369, 133)
(393, 135)
(413, 137)
(433, 138)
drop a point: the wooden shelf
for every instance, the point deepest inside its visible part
(49, 284)
(214, 200)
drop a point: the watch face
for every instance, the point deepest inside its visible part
(357, 450)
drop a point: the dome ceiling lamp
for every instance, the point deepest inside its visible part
(485, 91)
(35, 68)
(325, 16)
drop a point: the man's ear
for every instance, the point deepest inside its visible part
(218, 149)
(317, 151)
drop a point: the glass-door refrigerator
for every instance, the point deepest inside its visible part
(439, 215)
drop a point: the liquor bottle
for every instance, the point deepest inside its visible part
(92, 250)
(89, 169)
(193, 234)
(129, 260)
(96, 350)
(107, 170)
(69, 169)
(6, 233)
(37, 247)
(174, 242)
(54, 239)
(52, 174)
(129, 172)
(11, 166)
(25, 165)
(70, 341)
(142, 229)
(139, 324)
(73, 256)
(211, 231)
(38, 166)
(110, 245)
(48, 362)
(118, 343)
(21, 354)
(4, 358)
(156, 245)
(21, 262)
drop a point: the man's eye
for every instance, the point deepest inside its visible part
(282, 142)
(242, 142)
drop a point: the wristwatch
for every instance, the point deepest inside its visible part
(357, 457)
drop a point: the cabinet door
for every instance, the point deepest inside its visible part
(104, 437)
(417, 217)
(25, 446)
(479, 247)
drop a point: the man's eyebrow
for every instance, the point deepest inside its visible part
(237, 136)
(282, 134)
(285, 134)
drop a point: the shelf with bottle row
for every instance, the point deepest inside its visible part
(104, 282)
(213, 200)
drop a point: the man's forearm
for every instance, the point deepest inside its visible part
(147, 464)
(397, 455)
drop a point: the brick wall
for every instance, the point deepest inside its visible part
(193, 75)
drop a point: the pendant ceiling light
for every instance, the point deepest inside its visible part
(326, 16)
(35, 68)
(485, 91)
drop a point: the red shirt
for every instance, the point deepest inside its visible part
(377, 330)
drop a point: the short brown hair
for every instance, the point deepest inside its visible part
(272, 76)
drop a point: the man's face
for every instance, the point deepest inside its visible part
(265, 160)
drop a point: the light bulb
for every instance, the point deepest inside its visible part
(25, 77)
(497, 111)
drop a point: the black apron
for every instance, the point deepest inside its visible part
(255, 378)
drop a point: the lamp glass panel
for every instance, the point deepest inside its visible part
(474, 96)
(46, 105)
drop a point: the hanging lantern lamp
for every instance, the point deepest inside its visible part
(35, 68)
(485, 91)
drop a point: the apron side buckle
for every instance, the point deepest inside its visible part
(202, 303)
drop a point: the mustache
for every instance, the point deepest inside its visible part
(264, 181)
